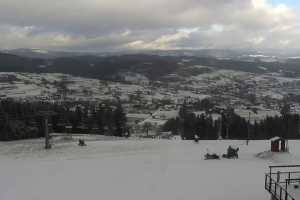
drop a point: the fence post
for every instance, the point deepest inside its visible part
(270, 184)
(47, 137)
(280, 192)
(278, 176)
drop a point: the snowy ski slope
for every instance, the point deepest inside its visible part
(135, 170)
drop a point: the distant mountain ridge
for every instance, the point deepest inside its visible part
(151, 65)
(218, 53)
(40, 53)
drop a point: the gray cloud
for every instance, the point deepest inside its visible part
(144, 24)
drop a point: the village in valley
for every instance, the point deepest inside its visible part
(150, 104)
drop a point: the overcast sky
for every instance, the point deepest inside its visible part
(104, 25)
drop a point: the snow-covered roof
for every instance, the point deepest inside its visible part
(260, 114)
(138, 115)
(165, 114)
(198, 113)
(275, 138)
(153, 122)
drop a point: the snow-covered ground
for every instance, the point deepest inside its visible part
(135, 170)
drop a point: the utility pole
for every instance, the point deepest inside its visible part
(248, 129)
(227, 124)
(220, 129)
(47, 136)
(287, 134)
(228, 114)
(45, 118)
(227, 130)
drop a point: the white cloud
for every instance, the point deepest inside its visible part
(145, 24)
(164, 41)
(126, 33)
(256, 40)
(284, 42)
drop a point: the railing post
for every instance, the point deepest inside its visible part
(270, 171)
(266, 179)
(270, 184)
(278, 176)
(280, 192)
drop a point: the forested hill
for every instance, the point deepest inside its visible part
(153, 67)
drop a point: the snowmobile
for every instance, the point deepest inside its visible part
(232, 153)
(211, 156)
(81, 142)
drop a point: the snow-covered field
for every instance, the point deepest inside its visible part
(135, 170)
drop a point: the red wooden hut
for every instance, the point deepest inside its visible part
(278, 144)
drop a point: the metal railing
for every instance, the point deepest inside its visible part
(277, 183)
(276, 189)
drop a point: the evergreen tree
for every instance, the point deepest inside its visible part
(146, 127)
(120, 120)
(100, 115)
(75, 118)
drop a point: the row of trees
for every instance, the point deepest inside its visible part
(22, 120)
(232, 126)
